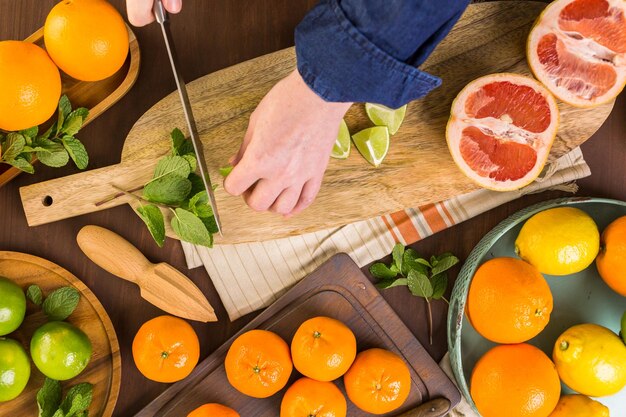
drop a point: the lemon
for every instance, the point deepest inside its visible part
(579, 406)
(591, 360)
(373, 143)
(341, 150)
(384, 116)
(559, 241)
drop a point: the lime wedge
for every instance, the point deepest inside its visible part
(373, 143)
(384, 116)
(341, 150)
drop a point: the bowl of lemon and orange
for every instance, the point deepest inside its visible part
(536, 313)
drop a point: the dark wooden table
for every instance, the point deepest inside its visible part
(212, 35)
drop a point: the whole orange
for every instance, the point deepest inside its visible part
(515, 381)
(87, 39)
(509, 301)
(310, 398)
(166, 349)
(213, 410)
(258, 363)
(30, 85)
(323, 348)
(611, 260)
(378, 381)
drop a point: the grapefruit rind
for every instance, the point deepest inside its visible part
(459, 121)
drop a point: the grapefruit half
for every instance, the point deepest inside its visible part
(577, 49)
(501, 129)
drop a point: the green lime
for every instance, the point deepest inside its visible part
(14, 369)
(373, 143)
(623, 332)
(60, 350)
(12, 306)
(341, 150)
(384, 116)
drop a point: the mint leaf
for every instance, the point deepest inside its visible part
(22, 164)
(419, 285)
(172, 165)
(169, 189)
(381, 271)
(59, 413)
(180, 144)
(55, 155)
(191, 159)
(30, 133)
(190, 228)
(398, 253)
(13, 146)
(210, 224)
(49, 397)
(34, 294)
(61, 303)
(390, 283)
(77, 400)
(409, 261)
(439, 283)
(197, 184)
(48, 132)
(74, 121)
(423, 262)
(199, 205)
(224, 171)
(153, 218)
(65, 107)
(76, 150)
(445, 263)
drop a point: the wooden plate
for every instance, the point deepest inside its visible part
(578, 298)
(336, 289)
(97, 96)
(104, 369)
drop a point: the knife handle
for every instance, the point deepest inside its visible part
(113, 253)
(433, 408)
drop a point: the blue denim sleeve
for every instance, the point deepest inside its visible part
(368, 50)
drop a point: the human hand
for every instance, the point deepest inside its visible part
(140, 11)
(286, 148)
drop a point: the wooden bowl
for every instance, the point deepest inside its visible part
(97, 96)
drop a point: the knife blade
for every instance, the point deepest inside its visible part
(162, 18)
(433, 408)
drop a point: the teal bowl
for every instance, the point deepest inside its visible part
(578, 298)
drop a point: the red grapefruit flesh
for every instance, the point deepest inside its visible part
(501, 130)
(577, 49)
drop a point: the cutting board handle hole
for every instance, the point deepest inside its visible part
(47, 201)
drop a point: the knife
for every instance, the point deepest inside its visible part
(433, 408)
(162, 18)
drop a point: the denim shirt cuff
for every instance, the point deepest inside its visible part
(341, 65)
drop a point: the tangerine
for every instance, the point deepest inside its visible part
(213, 410)
(310, 398)
(611, 260)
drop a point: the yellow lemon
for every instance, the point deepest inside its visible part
(559, 241)
(579, 406)
(591, 360)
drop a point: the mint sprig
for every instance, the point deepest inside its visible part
(58, 305)
(75, 404)
(424, 278)
(54, 148)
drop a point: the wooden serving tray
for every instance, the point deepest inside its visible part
(337, 289)
(97, 96)
(104, 369)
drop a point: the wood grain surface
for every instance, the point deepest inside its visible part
(104, 368)
(490, 37)
(337, 289)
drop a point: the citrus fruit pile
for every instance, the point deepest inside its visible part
(509, 302)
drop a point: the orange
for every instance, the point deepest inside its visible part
(515, 381)
(310, 398)
(258, 363)
(166, 349)
(378, 381)
(501, 129)
(213, 410)
(87, 39)
(611, 260)
(509, 301)
(323, 348)
(30, 84)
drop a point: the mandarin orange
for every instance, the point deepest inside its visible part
(213, 410)
(611, 260)
(310, 398)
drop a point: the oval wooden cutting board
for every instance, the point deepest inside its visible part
(104, 369)
(490, 37)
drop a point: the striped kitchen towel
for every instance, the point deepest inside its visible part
(251, 276)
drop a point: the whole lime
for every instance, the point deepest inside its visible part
(60, 350)
(12, 306)
(14, 369)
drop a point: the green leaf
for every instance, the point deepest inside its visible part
(48, 132)
(49, 397)
(423, 262)
(55, 156)
(393, 268)
(59, 413)
(61, 303)
(65, 107)
(77, 400)
(199, 205)
(169, 189)
(444, 264)
(23, 164)
(210, 224)
(398, 253)
(180, 144)
(419, 285)
(171, 165)
(35, 149)
(72, 124)
(390, 283)
(34, 294)
(197, 184)
(13, 146)
(190, 228)
(30, 133)
(439, 283)
(191, 159)
(381, 271)
(153, 218)
(76, 151)
(224, 171)
(433, 261)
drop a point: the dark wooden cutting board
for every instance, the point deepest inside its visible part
(337, 289)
